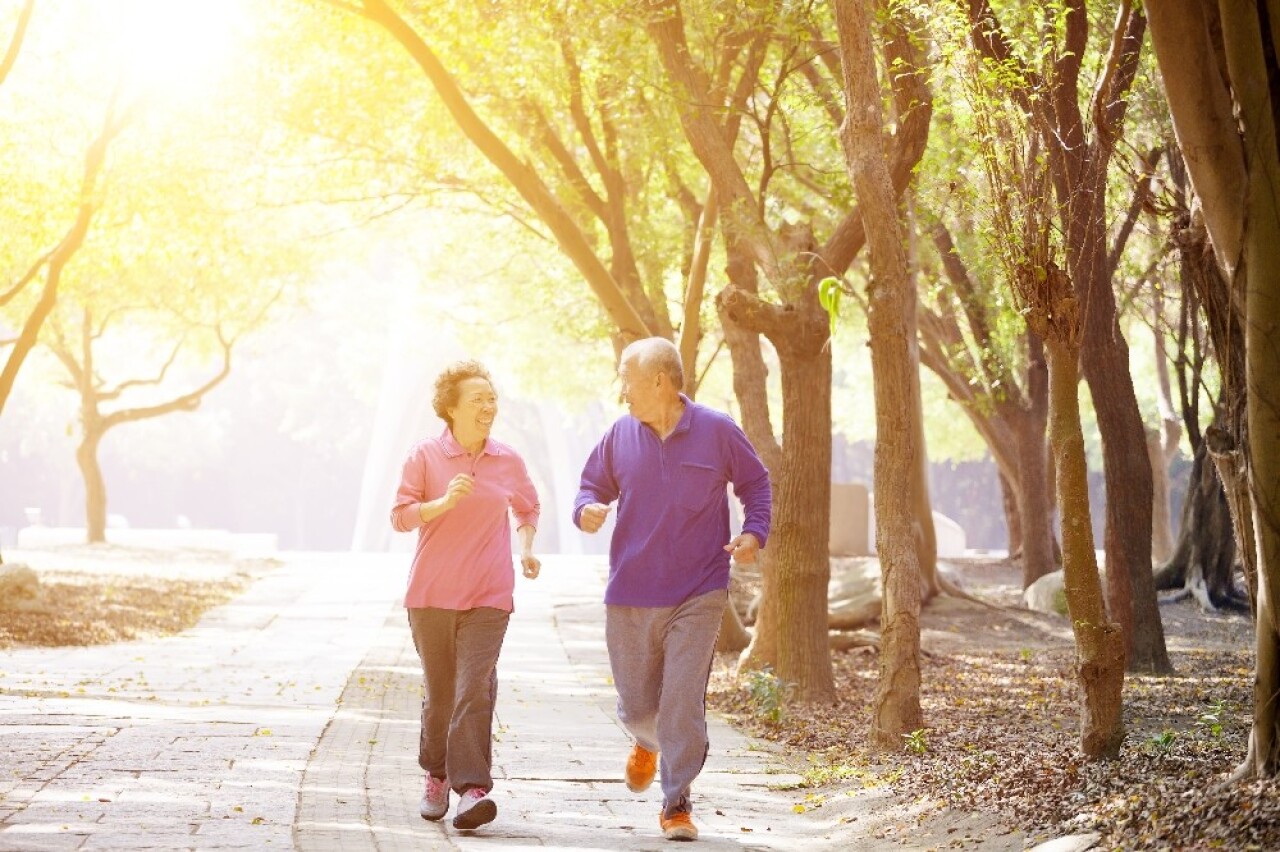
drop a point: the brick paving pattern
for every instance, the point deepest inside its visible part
(288, 720)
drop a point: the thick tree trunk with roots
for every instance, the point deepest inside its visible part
(798, 568)
(1224, 115)
(1099, 643)
(1204, 557)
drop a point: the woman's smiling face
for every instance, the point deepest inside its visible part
(476, 410)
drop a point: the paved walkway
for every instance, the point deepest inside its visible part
(288, 720)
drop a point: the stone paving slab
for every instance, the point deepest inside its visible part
(288, 719)
(558, 757)
(197, 741)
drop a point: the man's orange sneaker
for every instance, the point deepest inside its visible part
(679, 826)
(642, 765)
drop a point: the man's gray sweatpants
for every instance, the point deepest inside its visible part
(661, 660)
(459, 653)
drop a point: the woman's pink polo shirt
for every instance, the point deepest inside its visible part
(463, 559)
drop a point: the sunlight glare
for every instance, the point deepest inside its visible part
(178, 48)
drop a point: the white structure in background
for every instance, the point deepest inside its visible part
(553, 444)
(853, 524)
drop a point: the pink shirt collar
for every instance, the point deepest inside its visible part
(453, 449)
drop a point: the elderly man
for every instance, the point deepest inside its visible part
(667, 464)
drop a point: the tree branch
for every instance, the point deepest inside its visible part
(1107, 104)
(94, 160)
(1141, 197)
(707, 137)
(186, 402)
(914, 102)
(568, 164)
(15, 43)
(776, 322)
(8, 295)
(523, 178)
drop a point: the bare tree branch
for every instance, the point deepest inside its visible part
(95, 158)
(15, 43)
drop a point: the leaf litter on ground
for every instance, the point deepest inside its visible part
(1000, 705)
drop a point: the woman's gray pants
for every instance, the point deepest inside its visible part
(661, 659)
(459, 653)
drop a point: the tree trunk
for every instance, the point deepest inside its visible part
(1034, 505)
(790, 630)
(1012, 518)
(798, 568)
(1099, 643)
(1131, 593)
(733, 635)
(1161, 520)
(95, 487)
(896, 706)
(1204, 557)
(925, 532)
(1249, 31)
(1226, 129)
(1162, 446)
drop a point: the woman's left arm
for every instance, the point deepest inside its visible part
(531, 564)
(524, 503)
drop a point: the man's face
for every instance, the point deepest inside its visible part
(639, 391)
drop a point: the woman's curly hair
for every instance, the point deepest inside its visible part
(449, 382)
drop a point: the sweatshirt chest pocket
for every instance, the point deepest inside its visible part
(699, 487)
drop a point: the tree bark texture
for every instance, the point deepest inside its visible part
(1105, 362)
(1205, 97)
(1012, 517)
(1250, 36)
(1079, 154)
(896, 706)
(1161, 517)
(924, 531)
(1204, 556)
(799, 566)
(1099, 642)
(1034, 505)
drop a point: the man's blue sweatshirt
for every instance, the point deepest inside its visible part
(673, 509)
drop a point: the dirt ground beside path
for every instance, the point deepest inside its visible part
(1001, 713)
(100, 594)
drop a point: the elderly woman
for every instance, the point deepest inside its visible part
(456, 490)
